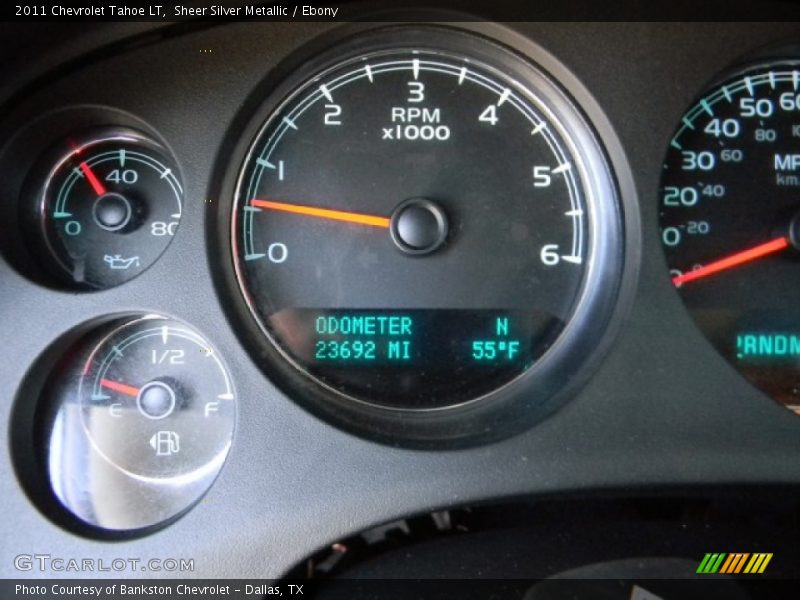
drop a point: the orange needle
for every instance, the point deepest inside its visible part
(128, 390)
(96, 184)
(734, 260)
(323, 213)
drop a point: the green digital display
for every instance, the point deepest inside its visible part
(501, 348)
(429, 351)
(363, 337)
(755, 345)
(394, 325)
(383, 337)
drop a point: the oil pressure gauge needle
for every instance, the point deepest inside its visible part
(734, 260)
(96, 184)
(323, 213)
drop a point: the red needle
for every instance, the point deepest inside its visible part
(734, 260)
(122, 388)
(324, 213)
(96, 184)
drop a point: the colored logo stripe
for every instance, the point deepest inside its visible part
(711, 563)
(734, 562)
(722, 562)
(758, 563)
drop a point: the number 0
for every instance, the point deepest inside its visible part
(277, 253)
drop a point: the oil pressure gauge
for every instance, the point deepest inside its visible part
(142, 426)
(104, 207)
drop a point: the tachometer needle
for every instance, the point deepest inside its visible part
(323, 213)
(122, 388)
(96, 184)
(734, 260)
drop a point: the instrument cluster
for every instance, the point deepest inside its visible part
(422, 237)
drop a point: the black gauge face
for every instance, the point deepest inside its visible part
(109, 207)
(413, 226)
(729, 223)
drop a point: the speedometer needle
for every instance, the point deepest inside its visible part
(323, 213)
(96, 184)
(122, 388)
(734, 260)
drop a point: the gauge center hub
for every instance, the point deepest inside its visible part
(112, 211)
(156, 400)
(794, 231)
(418, 226)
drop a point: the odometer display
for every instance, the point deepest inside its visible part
(729, 222)
(414, 225)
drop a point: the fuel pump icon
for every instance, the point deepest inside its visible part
(166, 443)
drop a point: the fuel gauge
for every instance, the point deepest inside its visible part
(107, 205)
(141, 432)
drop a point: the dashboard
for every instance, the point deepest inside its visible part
(267, 288)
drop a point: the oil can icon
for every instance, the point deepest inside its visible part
(118, 263)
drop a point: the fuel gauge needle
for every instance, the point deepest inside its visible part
(96, 184)
(122, 388)
(323, 213)
(734, 260)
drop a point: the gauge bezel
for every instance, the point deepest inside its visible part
(779, 56)
(545, 386)
(161, 500)
(581, 196)
(40, 181)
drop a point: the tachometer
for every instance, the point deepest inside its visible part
(418, 224)
(729, 222)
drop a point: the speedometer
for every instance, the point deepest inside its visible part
(422, 221)
(729, 222)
